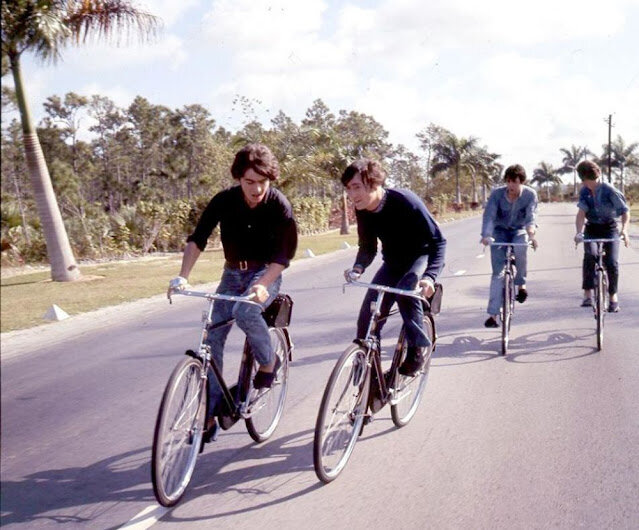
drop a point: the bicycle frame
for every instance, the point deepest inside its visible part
(509, 276)
(601, 282)
(371, 341)
(239, 406)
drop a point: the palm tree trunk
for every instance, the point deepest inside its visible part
(457, 190)
(63, 265)
(345, 228)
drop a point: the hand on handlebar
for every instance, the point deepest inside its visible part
(487, 241)
(626, 239)
(260, 292)
(352, 275)
(178, 283)
(579, 238)
(427, 286)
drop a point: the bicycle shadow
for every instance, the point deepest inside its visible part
(62, 495)
(468, 349)
(214, 476)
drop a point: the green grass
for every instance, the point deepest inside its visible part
(24, 298)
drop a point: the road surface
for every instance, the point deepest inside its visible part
(546, 437)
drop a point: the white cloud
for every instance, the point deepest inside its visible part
(170, 11)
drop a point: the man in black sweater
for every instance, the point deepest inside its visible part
(259, 237)
(413, 249)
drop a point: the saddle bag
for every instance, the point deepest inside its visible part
(278, 313)
(435, 300)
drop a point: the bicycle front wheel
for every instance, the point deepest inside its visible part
(178, 431)
(341, 413)
(506, 312)
(408, 391)
(265, 406)
(600, 296)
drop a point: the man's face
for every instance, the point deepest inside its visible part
(514, 186)
(254, 187)
(363, 198)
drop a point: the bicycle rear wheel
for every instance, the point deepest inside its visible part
(409, 390)
(341, 414)
(265, 406)
(178, 431)
(506, 312)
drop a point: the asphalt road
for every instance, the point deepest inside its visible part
(546, 437)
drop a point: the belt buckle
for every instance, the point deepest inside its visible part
(243, 266)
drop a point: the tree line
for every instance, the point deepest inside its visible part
(140, 183)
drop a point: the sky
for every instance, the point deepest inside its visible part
(526, 78)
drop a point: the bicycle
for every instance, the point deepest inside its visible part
(358, 388)
(508, 291)
(180, 426)
(601, 295)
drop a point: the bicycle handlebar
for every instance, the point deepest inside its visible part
(600, 240)
(386, 289)
(503, 244)
(219, 296)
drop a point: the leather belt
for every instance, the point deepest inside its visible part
(244, 265)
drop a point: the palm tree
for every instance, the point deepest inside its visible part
(571, 158)
(44, 27)
(545, 175)
(624, 156)
(450, 152)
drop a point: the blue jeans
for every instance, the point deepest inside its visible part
(410, 308)
(497, 259)
(248, 317)
(610, 259)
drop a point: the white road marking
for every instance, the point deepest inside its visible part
(459, 273)
(146, 518)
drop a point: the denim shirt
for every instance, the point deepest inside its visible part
(517, 215)
(602, 207)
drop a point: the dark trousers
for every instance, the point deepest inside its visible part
(610, 259)
(410, 308)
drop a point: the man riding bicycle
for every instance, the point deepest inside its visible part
(509, 217)
(599, 206)
(413, 249)
(259, 237)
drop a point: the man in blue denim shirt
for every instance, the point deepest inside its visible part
(509, 216)
(259, 238)
(599, 206)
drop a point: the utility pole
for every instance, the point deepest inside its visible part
(609, 148)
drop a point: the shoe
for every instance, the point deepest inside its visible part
(210, 433)
(491, 323)
(613, 307)
(522, 294)
(587, 302)
(265, 379)
(413, 362)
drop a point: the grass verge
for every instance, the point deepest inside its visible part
(25, 297)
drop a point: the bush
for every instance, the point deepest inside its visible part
(312, 214)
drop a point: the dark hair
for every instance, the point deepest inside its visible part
(514, 172)
(257, 157)
(588, 170)
(369, 170)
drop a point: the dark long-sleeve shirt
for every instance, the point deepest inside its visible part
(266, 233)
(407, 231)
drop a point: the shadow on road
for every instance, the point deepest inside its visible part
(64, 495)
(258, 471)
(539, 347)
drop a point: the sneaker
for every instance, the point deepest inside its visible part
(613, 307)
(587, 302)
(522, 294)
(413, 362)
(491, 323)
